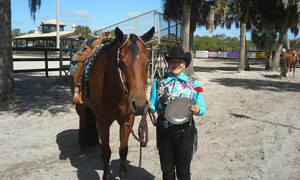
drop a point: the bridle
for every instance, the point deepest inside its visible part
(119, 60)
(143, 127)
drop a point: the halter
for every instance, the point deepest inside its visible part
(119, 59)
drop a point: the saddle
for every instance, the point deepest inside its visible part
(82, 58)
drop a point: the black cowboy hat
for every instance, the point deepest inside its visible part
(178, 53)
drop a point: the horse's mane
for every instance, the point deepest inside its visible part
(134, 49)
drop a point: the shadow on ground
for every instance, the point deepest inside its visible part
(87, 166)
(231, 65)
(265, 121)
(253, 84)
(39, 93)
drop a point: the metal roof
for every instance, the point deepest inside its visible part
(44, 35)
(52, 21)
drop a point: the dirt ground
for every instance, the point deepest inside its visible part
(251, 129)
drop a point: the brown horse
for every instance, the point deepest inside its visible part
(289, 59)
(116, 91)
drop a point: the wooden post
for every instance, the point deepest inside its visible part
(60, 60)
(46, 62)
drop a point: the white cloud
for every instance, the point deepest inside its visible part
(132, 14)
(83, 14)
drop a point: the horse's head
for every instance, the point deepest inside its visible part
(133, 60)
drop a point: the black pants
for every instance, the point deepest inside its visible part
(175, 152)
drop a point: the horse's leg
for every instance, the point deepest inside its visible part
(123, 150)
(80, 109)
(88, 135)
(103, 131)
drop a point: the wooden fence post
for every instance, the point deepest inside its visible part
(46, 63)
(60, 60)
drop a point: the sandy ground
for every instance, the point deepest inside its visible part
(251, 129)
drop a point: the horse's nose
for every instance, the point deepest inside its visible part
(139, 108)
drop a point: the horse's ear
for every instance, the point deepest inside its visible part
(119, 34)
(148, 35)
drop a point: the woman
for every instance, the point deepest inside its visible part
(175, 141)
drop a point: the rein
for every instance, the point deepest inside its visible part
(143, 127)
(142, 131)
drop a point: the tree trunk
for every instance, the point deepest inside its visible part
(287, 40)
(247, 65)
(6, 60)
(186, 33)
(269, 46)
(244, 18)
(191, 41)
(242, 48)
(275, 62)
(282, 32)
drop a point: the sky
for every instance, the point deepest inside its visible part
(96, 14)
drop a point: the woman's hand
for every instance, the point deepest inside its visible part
(195, 109)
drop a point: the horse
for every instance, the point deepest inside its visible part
(116, 90)
(289, 59)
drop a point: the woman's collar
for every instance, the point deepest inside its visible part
(182, 77)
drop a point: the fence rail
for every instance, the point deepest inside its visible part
(46, 58)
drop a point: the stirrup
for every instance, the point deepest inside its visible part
(77, 96)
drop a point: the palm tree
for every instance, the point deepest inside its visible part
(6, 60)
(224, 13)
(181, 10)
(244, 15)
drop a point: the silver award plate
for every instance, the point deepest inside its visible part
(177, 111)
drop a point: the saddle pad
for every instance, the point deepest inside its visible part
(89, 58)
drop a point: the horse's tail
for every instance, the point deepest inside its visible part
(91, 133)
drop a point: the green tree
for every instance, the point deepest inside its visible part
(272, 18)
(288, 17)
(83, 31)
(6, 60)
(30, 31)
(16, 32)
(219, 43)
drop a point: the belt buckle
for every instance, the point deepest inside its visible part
(166, 125)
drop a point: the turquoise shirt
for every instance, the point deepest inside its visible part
(174, 87)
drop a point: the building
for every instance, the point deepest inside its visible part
(47, 36)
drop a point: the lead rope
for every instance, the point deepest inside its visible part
(142, 131)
